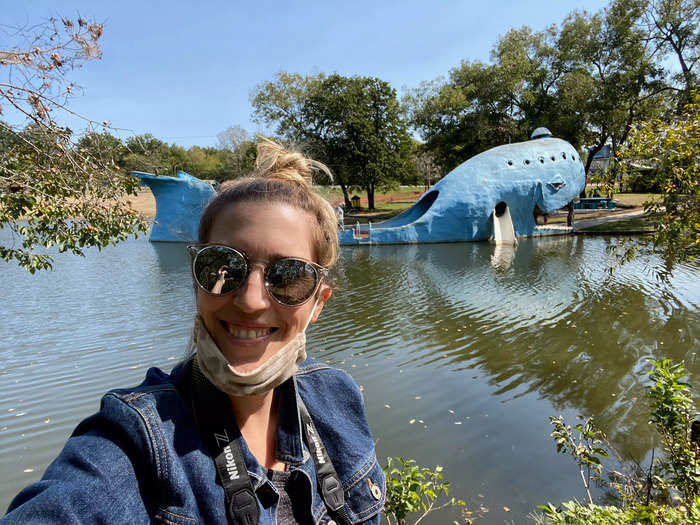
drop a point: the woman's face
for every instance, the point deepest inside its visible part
(249, 326)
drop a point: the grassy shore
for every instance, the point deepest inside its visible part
(635, 199)
(644, 223)
(387, 203)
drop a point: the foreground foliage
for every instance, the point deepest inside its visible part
(573, 513)
(587, 449)
(672, 412)
(669, 492)
(671, 150)
(52, 191)
(413, 489)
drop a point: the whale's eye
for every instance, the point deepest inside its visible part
(510, 163)
(553, 158)
(527, 162)
(557, 185)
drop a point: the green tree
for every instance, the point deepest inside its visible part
(529, 66)
(673, 150)
(463, 115)
(610, 48)
(366, 138)
(208, 163)
(353, 124)
(282, 102)
(673, 26)
(286, 102)
(53, 192)
(149, 154)
(587, 80)
(103, 146)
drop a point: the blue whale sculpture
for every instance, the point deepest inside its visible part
(493, 194)
(179, 204)
(507, 181)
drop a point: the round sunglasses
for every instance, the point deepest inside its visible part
(221, 270)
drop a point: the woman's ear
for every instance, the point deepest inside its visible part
(323, 295)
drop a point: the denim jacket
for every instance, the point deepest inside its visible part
(141, 458)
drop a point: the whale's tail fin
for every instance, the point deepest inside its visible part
(179, 204)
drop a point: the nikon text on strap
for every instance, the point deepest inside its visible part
(328, 479)
(220, 432)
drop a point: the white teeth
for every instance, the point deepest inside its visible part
(246, 333)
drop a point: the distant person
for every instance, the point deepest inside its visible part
(246, 429)
(570, 214)
(340, 215)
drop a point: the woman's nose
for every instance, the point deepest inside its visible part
(252, 295)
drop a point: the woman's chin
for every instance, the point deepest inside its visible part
(244, 362)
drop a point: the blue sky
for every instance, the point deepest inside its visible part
(184, 71)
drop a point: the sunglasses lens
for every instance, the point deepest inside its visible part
(291, 281)
(219, 269)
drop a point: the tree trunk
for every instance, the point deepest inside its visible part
(592, 153)
(344, 189)
(570, 214)
(370, 196)
(687, 77)
(346, 196)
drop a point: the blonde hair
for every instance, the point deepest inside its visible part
(284, 176)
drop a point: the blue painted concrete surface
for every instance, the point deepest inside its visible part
(546, 172)
(179, 204)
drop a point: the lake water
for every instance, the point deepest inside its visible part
(462, 350)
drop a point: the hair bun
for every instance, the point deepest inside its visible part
(274, 161)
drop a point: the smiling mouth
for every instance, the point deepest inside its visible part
(239, 332)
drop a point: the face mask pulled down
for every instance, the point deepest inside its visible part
(270, 374)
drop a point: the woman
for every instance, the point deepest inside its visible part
(247, 430)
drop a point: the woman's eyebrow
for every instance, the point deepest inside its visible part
(272, 257)
(276, 256)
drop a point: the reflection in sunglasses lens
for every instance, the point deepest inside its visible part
(291, 281)
(219, 269)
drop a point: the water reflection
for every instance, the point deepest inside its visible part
(171, 257)
(503, 256)
(545, 318)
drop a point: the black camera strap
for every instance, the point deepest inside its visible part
(328, 479)
(218, 428)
